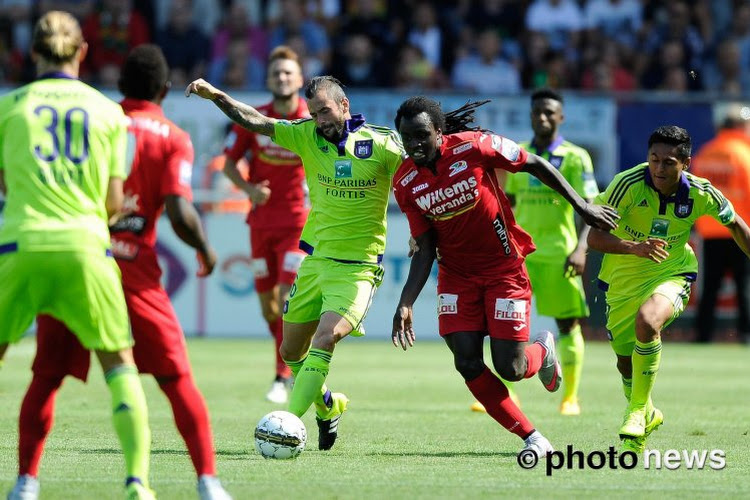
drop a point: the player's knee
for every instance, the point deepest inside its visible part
(647, 326)
(324, 339)
(512, 370)
(469, 368)
(270, 316)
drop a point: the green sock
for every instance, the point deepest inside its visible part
(646, 358)
(570, 346)
(295, 366)
(309, 382)
(130, 418)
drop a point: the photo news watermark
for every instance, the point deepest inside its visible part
(613, 459)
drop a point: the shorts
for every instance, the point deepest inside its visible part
(80, 288)
(499, 306)
(557, 296)
(275, 256)
(621, 310)
(324, 285)
(159, 342)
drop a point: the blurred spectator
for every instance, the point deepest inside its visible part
(725, 73)
(739, 30)
(426, 34)
(184, 45)
(15, 17)
(607, 72)
(111, 31)
(295, 21)
(11, 59)
(486, 71)
(675, 81)
(311, 65)
(370, 18)
(674, 26)
(358, 65)
(671, 55)
(237, 68)
(725, 161)
(206, 15)
(617, 19)
(560, 20)
(415, 73)
(78, 8)
(533, 73)
(506, 16)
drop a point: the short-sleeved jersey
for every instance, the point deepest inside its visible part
(644, 213)
(543, 212)
(349, 186)
(162, 165)
(288, 204)
(476, 231)
(60, 143)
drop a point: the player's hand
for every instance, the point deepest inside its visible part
(202, 88)
(403, 328)
(600, 216)
(206, 262)
(259, 193)
(413, 247)
(575, 264)
(652, 249)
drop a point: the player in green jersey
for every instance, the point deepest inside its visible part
(62, 165)
(348, 165)
(648, 264)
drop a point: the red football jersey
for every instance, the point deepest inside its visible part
(162, 165)
(476, 231)
(287, 206)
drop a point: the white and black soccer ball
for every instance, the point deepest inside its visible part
(280, 435)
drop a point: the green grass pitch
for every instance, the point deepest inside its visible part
(408, 434)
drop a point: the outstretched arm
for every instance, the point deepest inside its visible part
(419, 270)
(258, 193)
(741, 234)
(187, 226)
(653, 249)
(242, 114)
(599, 216)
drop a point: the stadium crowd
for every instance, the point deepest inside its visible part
(487, 46)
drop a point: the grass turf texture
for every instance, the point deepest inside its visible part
(408, 434)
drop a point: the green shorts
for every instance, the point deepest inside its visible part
(327, 285)
(81, 289)
(621, 310)
(557, 296)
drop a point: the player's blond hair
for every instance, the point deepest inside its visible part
(57, 36)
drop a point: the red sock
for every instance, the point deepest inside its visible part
(191, 417)
(35, 422)
(492, 393)
(534, 356)
(282, 370)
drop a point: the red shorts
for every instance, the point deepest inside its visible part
(159, 342)
(275, 256)
(500, 306)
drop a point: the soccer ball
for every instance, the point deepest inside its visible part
(281, 435)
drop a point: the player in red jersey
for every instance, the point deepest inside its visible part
(160, 176)
(458, 214)
(277, 188)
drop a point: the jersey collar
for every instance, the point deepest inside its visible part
(351, 125)
(680, 196)
(130, 104)
(56, 74)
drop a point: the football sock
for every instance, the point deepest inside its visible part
(322, 399)
(130, 418)
(570, 348)
(646, 358)
(535, 353)
(193, 423)
(277, 330)
(309, 383)
(492, 393)
(35, 422)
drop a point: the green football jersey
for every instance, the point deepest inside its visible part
(60, 142)
(349, 185)
(543, 212)
(645, 213)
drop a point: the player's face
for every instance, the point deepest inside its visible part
(666, 167)
(329, 115)
(546, 117)
(284, 78)
(420, 137)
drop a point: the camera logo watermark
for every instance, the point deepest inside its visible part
(614, 459)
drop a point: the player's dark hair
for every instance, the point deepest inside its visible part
(144, 74)
(451, 122)
(546, 93)
(326, 83)
(673, 136)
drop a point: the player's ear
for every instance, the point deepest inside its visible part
(82, 51)
(345, 105)
(687, 163)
